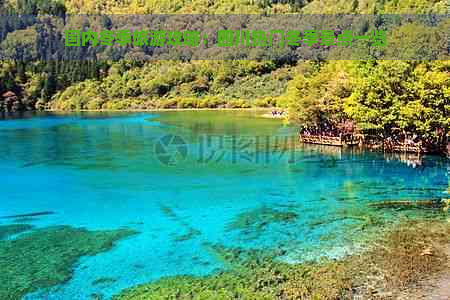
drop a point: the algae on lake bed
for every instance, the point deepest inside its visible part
(45, 257)
(257, 219)
(255, 275)
(104, 281)
(399, 258)
(9, 230)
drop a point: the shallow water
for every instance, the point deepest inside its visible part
(187, 180)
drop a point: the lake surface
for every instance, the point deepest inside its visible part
(189, 180)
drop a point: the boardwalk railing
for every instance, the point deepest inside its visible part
(325, 140)
(340, 141)
(412, 148)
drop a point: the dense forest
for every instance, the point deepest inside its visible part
(380, 97)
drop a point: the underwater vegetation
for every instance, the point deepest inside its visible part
(9, 230)
(45, 257)
(253, 275)
(104, 281)
(28, 217)
(377, 188)
(256, 220)
(188, 235)
(190, 231)
(25, 220)
(409, 204)
(399, 257)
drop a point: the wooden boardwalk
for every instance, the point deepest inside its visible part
(352, 141)
(326, 140)
(407, 148)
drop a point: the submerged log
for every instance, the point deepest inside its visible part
(34, 214)
(408, 204)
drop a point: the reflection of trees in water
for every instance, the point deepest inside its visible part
(410, 159)
(79, 144)
(321, 149)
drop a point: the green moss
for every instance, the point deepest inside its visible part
(96, 296)
(45, 257)
(255, 276)
(168, 212)
(239, 257)
(25, 220)
(257, 219)
(188, 235)
(8, 230)
(104, 281)
(400, 257)
(408, 204)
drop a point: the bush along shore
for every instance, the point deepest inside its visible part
(398, 106)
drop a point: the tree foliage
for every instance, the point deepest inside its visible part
(397, 95)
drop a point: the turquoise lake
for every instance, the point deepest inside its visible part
(189, 179)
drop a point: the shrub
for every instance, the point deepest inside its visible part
(238, 104)
(187, 103)
(95, 104)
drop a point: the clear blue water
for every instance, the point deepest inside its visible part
(181, 179)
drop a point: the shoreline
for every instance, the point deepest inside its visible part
(266, 115)
(160, 109)
(265, 112)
